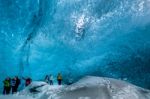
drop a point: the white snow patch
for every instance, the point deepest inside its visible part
(86, 88)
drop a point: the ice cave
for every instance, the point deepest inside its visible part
(78, 38)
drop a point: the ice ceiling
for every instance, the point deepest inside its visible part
(108, 38)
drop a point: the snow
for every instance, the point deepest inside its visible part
(87, 88)
(15, 97)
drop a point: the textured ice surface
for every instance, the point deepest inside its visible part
(76, 37)
(86, 88)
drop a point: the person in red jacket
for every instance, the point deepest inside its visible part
(27, 81)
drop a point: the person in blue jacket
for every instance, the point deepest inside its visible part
(13, 85)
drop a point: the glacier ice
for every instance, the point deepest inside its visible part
(87, 88)
(77, 38)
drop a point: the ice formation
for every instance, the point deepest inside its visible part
(86, 88)
(108, 38)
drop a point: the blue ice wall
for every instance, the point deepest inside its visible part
(76, 37)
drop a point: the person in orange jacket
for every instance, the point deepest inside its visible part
(59, 79)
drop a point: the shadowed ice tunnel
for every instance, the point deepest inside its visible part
(108, 38)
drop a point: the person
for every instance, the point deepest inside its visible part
(6, 89)
(51, 79)
(27, 81)
(47, 79)
(17, 83)
(13, 85)
(9, 88)
(59, 79)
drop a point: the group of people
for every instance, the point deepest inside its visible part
(11, 85)
(49, 79)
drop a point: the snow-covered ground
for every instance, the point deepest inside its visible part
(86, 88)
